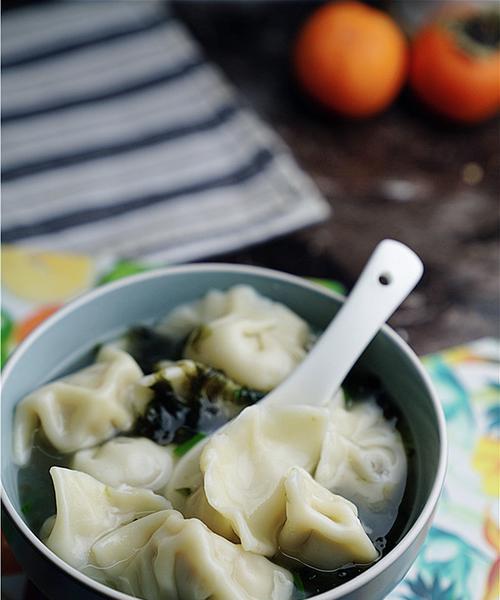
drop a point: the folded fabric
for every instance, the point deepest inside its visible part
(118, 136)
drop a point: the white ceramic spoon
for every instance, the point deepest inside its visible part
(390, 274)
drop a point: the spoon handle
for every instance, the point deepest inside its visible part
(391, 273)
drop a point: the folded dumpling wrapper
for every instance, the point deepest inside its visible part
(83, 409)
(364, 460)
(322, 529)
(255, 341)
(244, 466)
(87, 509)
(137, 462)
(165, 555)
(197, 506)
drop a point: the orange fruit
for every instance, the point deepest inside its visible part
(351, 58)
(455, 64)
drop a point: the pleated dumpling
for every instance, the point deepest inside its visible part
(255, 341)
(363, 459)
(322, 529)
(83, 409)
(244, 466)
(87, 509)
(137, 462)
(166, 556)
(197, 505)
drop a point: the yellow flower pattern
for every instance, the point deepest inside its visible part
(45, 276)
(486, 460)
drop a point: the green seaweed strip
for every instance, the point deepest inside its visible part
(187, 445)
(299, 585)
(26, 508)
(186, 492)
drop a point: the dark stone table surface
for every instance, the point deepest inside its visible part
(403, 174)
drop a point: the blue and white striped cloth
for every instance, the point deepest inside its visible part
(119, 137)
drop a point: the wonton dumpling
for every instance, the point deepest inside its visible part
(137, 462)
(83, 409)
(247, 350)
(363, 459)
(255, 341)
(322, 529)
(166, 556)
(244, 466)
(87, 509)
(197, 506)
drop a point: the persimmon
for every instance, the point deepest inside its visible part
(455, 64)
(351, 58)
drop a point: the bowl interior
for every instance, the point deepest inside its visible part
(70, 336)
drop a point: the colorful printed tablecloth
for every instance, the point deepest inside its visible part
(461, 557)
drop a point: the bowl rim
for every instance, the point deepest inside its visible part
(335, 593)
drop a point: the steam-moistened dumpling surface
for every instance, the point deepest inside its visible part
(321, 528)
(244, 466)
(83, 409)
(166, 556)
(255, 341)
(364, 460)
(137, 462)
(87, 509)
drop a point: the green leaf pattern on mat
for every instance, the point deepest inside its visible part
(121, 269)
(7, 327)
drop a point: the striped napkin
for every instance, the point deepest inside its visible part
(119, 137)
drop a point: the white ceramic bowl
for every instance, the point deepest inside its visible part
(72, 332)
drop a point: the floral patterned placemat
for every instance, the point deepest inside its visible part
(461, 556)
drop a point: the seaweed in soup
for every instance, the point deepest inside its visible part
(149, 347)
(207, 400)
